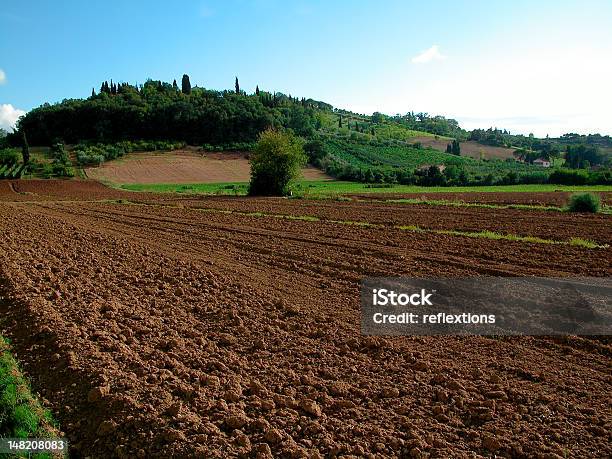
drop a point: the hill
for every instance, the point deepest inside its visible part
(376, 148)
(199, 116)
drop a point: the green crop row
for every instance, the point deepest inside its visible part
(14, 171)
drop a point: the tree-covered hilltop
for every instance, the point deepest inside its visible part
(161, 111)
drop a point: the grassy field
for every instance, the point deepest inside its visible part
(322, 188)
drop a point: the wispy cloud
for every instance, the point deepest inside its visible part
(2, 77)
(429, 55)
(9, 116)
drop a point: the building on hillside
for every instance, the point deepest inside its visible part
(541, 162)
(425, 167)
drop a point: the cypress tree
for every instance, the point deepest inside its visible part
(340, 121)
(257, 90)
(237, 86)
(93, 92)
(456, 149)
(185, 85)
(449, 148)
(25, 149)
(174, 85)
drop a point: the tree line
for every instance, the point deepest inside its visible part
(157, 110)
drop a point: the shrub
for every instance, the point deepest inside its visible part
(46, 170)
(585, 202)
(275, 163)
(60, 169)
(58, 151)
(569, 177)
(603, 177)
(8, 156)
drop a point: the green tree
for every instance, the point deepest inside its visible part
(185, 85)
(316, 150)
(377, 117)
(237, 86)
(3, 138)
(579, 156)
(174, 85)
(456, 149)
(25, 149)
(275, 163)
(257, 90)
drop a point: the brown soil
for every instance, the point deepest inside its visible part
(469, 148)
(42, 190)
(183, 167)
(544, 224)
(555, 198)
(157, 331)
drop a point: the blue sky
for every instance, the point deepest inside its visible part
(542, 67)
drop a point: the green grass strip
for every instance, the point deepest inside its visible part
(307, 188)
(444, 202)
(21, 415)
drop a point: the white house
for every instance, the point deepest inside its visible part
(541, 162)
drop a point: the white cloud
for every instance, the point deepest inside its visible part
(495, 89)
(9, 116)
(431, 54)
(2, 76)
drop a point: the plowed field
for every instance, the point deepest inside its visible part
(183, 166)
(556, 198)
(469, 148)
(213, 328)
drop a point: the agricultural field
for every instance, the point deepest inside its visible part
(181, 325)
(181, 166)
(362, 155)
(357, 159)
(469, 148)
